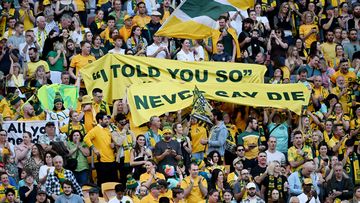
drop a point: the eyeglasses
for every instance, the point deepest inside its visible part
(240, 150)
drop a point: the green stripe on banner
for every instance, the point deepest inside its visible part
(212, 9)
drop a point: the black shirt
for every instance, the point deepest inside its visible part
(160, 148)
(334, 24)
(224, 57)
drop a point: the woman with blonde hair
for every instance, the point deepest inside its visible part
(15, 78)
(293, 60)
(39, 78)
(308, 31)
(275, 180)
(57, 62)
(283, 21)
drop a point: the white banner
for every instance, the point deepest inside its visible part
(16, 129)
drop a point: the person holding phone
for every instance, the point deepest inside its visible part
(308, 31)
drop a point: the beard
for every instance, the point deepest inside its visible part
(356, 14)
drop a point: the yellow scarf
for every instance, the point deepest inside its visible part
(232, 32)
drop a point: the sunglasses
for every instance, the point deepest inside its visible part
(123, 122)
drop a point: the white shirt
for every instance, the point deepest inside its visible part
(25, 55)
(200, 53)
(43, 172)
(114, 51)
(276, 156)
(123, 200)
(78, 37)
(303, 199)
(182, 56)
(150, 50)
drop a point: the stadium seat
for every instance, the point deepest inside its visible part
(108, 190)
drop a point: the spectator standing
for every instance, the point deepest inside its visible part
(167, 151)
(218, 134)
(99, 140)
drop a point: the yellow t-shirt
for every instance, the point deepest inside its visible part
(3, 189)
(101, 2)
(165, 16)
(79, 61)
(32, 66)
(8, 113)
(345, 99)
(80, 5)
(232, 178)
(149, 199)
(101, 138)
(195, 194)
(349, 77)
(286, 72)
(105, 34)
(145, 176)
(329, 52)
(304, 30)
(167, 194)
(141, 20)
(294, 156)
(333, 141)
(197, 132)
(125, 33)
(28, 25)
(68, 128)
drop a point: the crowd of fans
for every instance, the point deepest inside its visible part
(247, 154)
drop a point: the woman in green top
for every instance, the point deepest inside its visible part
(79, 151)
(97, 50)
(57, 62)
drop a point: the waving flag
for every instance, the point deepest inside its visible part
(201, 107)
(196, 19)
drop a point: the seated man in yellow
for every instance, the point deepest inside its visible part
(195, 186)
(153, 196)
(29, 114)
(150, 176)
(34, 63)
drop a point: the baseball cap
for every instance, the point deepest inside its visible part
(236, 160)
(126, 17)
(156, 13)
(167, 129)
(250, 185)
(41, 192)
